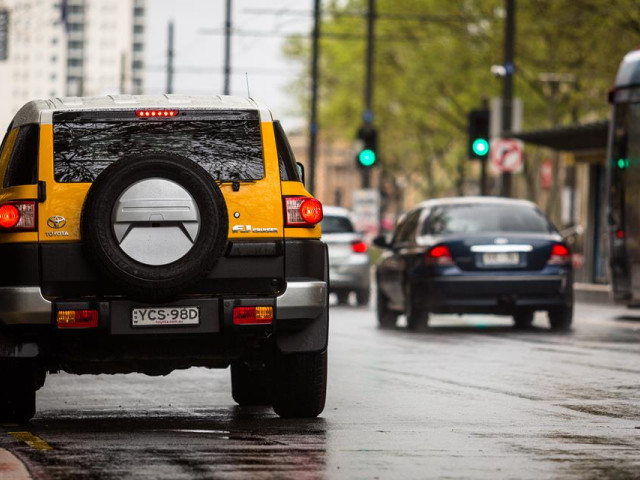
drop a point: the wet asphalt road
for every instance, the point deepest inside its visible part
(470, 398)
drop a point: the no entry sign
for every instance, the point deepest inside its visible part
(507, 155)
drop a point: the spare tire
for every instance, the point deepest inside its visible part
(154, 224)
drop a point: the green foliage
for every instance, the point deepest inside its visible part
(432, 65)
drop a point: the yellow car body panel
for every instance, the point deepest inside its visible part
(19, 192)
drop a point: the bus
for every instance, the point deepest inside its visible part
(623, 181)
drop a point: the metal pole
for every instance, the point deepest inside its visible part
(368, 82)
(507, 86)
(170, 58)
(483, 160)
(227, 48)
(313, 121)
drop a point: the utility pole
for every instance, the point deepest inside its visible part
(227, 48)
(368, 83)
(507, 85)
(313, 121)
(170, 58)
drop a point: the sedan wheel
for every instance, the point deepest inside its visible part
(417, 316)
(387, 318)
(523, 318)
(561, 318)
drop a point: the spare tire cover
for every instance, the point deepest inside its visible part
(154, 224)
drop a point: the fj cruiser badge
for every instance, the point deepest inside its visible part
(249, 229)
(56, 221)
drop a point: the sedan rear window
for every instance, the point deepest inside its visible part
(336, 224)
(485, 218)
(228, 148)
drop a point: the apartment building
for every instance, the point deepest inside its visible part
(68, 48)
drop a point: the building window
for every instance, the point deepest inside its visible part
(74, 62)
(138, 29)
(138, 47)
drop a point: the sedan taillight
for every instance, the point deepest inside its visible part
(302, 211)
(439, 255)
(560, 255)
(18, 216)
(359, 246)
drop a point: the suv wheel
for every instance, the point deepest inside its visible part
(250, 385)
(300, 384)
(362, 296)
(343, 297)
(387, 318)
(523, 318)
(561, 318)
(18, 394)
(154, 224)
(417, 316)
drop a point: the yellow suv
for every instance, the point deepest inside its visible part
(149, 233)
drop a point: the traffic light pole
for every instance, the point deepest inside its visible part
(368, 88)
(507, 86)
(313, 122)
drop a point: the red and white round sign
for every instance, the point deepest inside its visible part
(507, 155)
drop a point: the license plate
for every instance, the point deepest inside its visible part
(156, 316)
(501, 258)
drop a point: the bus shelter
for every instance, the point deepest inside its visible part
(583, 150)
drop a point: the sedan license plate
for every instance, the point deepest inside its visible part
(501, 258)
(160, 316)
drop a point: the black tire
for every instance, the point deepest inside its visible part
(18, 392)
(300, 384)
(151, 282)
(343, 297)
(560, 318)
(523, 319)
(250, 385)
(417, 316)
(387, 318)
(362, 296)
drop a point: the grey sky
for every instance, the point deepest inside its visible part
(261, 57)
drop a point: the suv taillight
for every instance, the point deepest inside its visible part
(439, 255)
(18, 216)
(302, 211)
(560, 255)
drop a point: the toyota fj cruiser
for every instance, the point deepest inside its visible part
(150, 233)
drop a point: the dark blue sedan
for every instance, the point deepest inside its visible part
(475, 255)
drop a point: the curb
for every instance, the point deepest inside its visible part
(593, 293)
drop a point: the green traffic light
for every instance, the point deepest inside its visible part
(367, 157)
(480, 147)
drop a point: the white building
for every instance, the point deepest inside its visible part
(70, 47)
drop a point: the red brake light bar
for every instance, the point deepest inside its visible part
(18, 216)
(156, 113)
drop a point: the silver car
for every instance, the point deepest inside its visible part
(349, 262)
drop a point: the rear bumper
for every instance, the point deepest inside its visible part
(500, 294)
(302, 299)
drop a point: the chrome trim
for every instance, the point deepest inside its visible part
(505, 278)
(501, 248)
(302, 299)
(24, 306)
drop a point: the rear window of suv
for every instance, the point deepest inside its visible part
(228, 145)
(485, 218)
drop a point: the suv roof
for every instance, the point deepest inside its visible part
(41, 111)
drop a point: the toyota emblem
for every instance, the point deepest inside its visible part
(56, 221)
